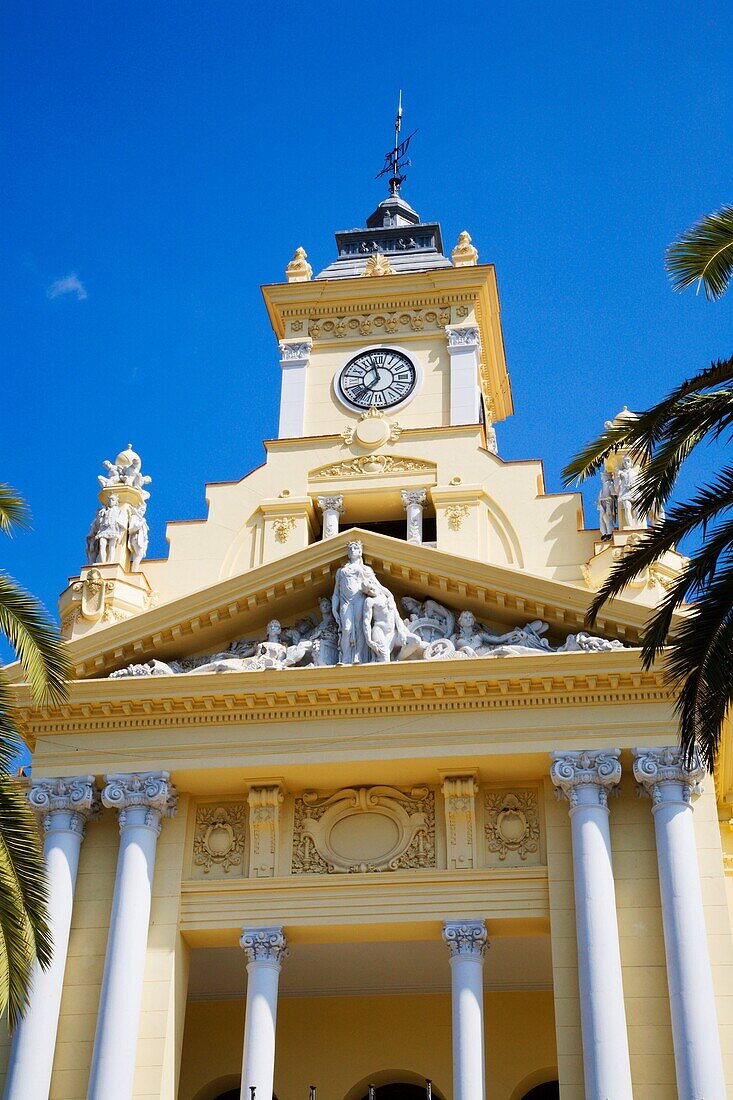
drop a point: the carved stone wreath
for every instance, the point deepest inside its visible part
(512, 823)
(219, 837)
(364, 829)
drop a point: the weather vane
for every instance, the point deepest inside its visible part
(395, 161)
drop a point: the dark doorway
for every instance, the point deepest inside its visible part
(399, 1091)
(548, 1091)
(230, 1094)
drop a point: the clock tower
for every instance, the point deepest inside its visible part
(392, 326)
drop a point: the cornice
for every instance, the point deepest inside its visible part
(299, 695)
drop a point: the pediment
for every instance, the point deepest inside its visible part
(207, 622)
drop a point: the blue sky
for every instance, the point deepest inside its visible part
(163, 160)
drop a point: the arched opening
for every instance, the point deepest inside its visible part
(398, 1090)
(549, 1091)
(391, 1084)
(230, 1094)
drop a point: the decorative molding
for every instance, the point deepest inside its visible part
(331, 834)
(595, 772)
(663, 775)
(466, 937)
(264, 945)
(462, 336)
(295, 350)
(512, 824)
(151, 791)
(456, 514)
(283, 527)
(264, 827)
(219, 836)
(459, 795)
(370, 466)
(414, 496)
(75, 796)
(369, 433)
(414, 320)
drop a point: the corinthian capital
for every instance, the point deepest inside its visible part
(332, 504)
(64, 803)
(151, 792)
(586, 777)
(465, 937)
(264, 945)
(462, 336)
(664, 775)
(294, 351)
(414, 496)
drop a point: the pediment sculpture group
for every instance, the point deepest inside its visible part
(361, 624)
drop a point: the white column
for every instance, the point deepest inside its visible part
(585, 779)
(141, 799)
(265, 949)
(467, 942)
(464, 349)
(413, 501)
(332, 508)
(63, 806)
(294, 359)
(662, 774)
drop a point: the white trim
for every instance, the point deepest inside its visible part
(387, 409)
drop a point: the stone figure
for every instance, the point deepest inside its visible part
(347, 605)
(475, 641)
(137, 536)
(111, 524)
(383, 626)
(126, 470)
(588, 643)
(325, 637)
(606, 505)
(92, 548)
(429, 620)
(625, 481)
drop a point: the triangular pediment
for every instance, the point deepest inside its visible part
(288, 589)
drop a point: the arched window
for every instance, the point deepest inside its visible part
(549, 1091)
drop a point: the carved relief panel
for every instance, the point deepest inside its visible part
(512, 827)
(364, 829)
(219, 840)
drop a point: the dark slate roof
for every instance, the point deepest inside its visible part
(395, 230)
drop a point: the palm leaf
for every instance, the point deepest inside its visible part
(703, 254)
(14, 511)
(11, 741)
(28, 628)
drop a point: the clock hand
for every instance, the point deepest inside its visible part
(372, 371)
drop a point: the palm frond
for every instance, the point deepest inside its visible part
(11, 741)
(703, 254)
(28, 628)
(14, 511)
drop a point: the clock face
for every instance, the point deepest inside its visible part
(382, 377)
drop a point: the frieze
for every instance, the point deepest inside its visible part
(416, 320)
(219, 838)
(364, 830)
(369, 465)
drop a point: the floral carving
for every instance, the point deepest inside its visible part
(512, 823)
(368, 465)
(220, 836)
(409, 817)
(455, 514)
(283, 527)
(415, 320)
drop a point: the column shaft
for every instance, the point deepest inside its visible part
(584, 778)
(65, 805)
(142, 799)
(265, 948)
(466, 941)
(698, 1060)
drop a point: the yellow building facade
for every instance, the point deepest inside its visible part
(344, 795)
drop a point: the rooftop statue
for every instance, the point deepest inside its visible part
(361, 623)
(126, 470)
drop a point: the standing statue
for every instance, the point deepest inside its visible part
(325, 636)
(110, 524)
(347, 604)
(625, 486)
(606, 505)
(382, 623)
(137, 537)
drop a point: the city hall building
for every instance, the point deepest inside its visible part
(344, 794)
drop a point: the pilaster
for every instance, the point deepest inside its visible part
(464, 349)
(294, 360)
(264, 828)
(459, 799)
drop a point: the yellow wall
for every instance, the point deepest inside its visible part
(337, 1042)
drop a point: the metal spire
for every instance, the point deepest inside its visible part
(395, 160)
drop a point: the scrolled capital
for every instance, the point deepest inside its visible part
(462, 336)
(65, 803)
(664, 775)
(332, 504)
(295, 351)
(586, 777)
(151, 792)
(414, 496)
(264, 945)
(466, 937)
